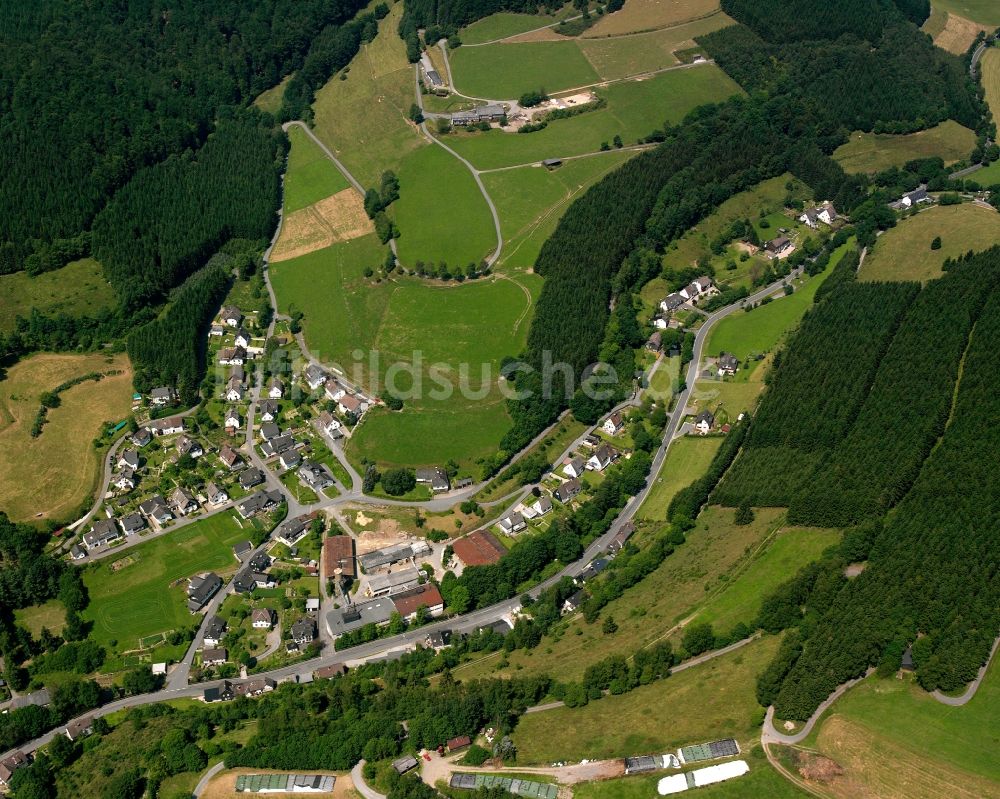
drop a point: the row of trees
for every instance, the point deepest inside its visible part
(816, 388)
(804, 19)
(98, 93)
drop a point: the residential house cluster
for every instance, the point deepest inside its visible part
(824, 213)
(692, 293)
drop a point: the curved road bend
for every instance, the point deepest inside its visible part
(970, 691)
(467, 622)
(206, 778)
(358, 778)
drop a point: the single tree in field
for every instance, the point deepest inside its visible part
(936, 243)
(744, 514)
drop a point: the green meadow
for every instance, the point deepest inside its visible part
(686, 461)
(634, 110)
(441, 214)
(508, 70)
(79, 287)
(531, 200)
(311, 176)
(504, 24)
(761, 329)
(147, 593)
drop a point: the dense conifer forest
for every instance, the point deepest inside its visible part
(932, 563)
(94, 92)
(818, 384)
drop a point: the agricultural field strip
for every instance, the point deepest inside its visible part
(600, 38)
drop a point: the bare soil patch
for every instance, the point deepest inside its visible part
(958, 34)
(339, 217)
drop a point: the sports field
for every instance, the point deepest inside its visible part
(985, 12)
(50, 476)
(508, 70)
(363, 119)
(531, 200)
(634, 110)
(644, 15)
(77, 288)
(990, 67)
(441, 213)
(873, 152)
(622, 56)
(311, 176)
(713, 700)
(146, 594)
(687, 460)
(904, 252)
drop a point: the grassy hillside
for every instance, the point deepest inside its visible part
(52, 475)
(310, 176)
(508, 70)
(873, 152)
(904, 252)
(713, 700)
(79, 287)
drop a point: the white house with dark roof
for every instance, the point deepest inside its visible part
(727, 364)
(333, 389)
(601, 458)
(315, 376)
(233, 420)
(129, 459)
(512, 523)
(232, 356)
(704, 422)
(189, 446)
(243, 338)
(275, 388)
(575, 468)
(234, 389)
(231, 316)
(125, 480)
(215, 495)
(104, 532)
(162, 395)
(614, 424)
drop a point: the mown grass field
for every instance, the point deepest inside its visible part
(622, 56)
(141, 598)
(77, 288)
(873, 152)
(343, 310)
(311, 176)
(531, 200)
(634, 109)
(51, 615)
(652, 609)
(441, 214)
(504, 24)
(363, 119)
(904, 252)
(687, 460)
(507, 70)
(456, 330)
(50, 477)
(989, 66)
(985, 12)
(762, 781)
(952, 32)
(987, 176)
(643, 15)
(713, 700)
(763, 328)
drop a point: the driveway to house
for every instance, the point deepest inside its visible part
(358, 778)
(206, 778)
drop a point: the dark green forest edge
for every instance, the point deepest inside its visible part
(879, 416)
(157, 176)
